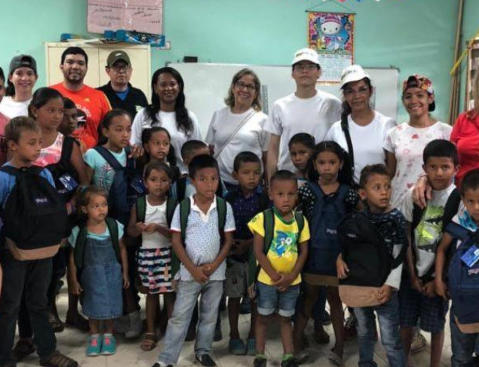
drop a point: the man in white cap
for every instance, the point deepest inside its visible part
(307, 110)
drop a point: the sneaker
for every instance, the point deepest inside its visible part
(237, 347)
(259, 362)
(93, 348)
(251, 347)
(290, 362)
(205, 360)
(418, 342)
(136, 326)
(109, 345)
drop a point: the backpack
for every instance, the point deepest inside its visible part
(141, 209)
(185, 208)
(268, 225)
(181, 188)
(365, 253)
(34, 216)
(324, 247)
(126, 187)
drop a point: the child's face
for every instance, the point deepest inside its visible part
(157, 183)
(50, 115)
(97, 208)
(158, 146)
(377, 192)
(70, 122)
(299, 155)
(248, 175)
(417, 101)
(28, 147)
(471, 201)
(327, 164)
(206, 182)
(440, 172)
(119, 131)
(194, 153)
(284, 194)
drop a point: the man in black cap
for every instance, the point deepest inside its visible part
(119, 91)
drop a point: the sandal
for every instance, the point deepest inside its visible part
(55, 323)
(23, 348)
(58, 360)
(149, 342)
(335, 358)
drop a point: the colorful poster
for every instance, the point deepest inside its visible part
(332, 36)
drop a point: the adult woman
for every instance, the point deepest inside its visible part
(167, 109)
(21, 80)
(405, 143)
(238, 127)
(366, 127)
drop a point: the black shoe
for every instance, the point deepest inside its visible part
(290, 362)
(205, 360)
(259, 362)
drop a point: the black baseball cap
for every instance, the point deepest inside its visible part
(23, 61)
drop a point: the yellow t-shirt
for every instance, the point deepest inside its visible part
(283, 251)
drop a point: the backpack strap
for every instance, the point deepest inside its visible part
(171, 204)
(451, 208)
(112, 226)
(347, 136)
(458, 231)
(79, 250)
(221, 210)
(67, 150)
(219, 190)
(299, 217)
(109, 158)
(268, 224)
(417, 213)
(181, 188)
(185, 207)
(10, 170)
(264, 202)
(141, 209)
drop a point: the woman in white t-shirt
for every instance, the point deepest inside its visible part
(405, 143)
(367, 128)
(21, 80)
(167, 109)
(238, 127)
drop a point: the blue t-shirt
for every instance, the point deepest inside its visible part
(103, 173)
(72, 239)
(122, 95)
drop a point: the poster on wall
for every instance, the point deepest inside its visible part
(332, 36)
(131, 15)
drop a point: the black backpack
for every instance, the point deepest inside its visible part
(34, 215)
(365, 253)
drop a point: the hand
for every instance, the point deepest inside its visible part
(441, 288)
(341, 268)
(163, 230)
(416, 284)
(430, 289)
(76, 288)
(140, 226)
(422, 192)
(207, 269)
(199, 275)
(126, 280)
(284, 282)
(136, 151)
(174, 285)
(384, 293)
(150, 228)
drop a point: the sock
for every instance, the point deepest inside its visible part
(286, 357)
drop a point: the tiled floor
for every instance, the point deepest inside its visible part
(72, 342)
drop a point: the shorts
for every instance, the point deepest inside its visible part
(236, 284)
(269, 300)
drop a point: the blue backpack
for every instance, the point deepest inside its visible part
(463, 281)
(324, 246)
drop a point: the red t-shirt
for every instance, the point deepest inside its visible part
(465, 134)
(92, 106)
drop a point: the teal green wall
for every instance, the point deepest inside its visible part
(413, 35)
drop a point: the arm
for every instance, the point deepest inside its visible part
(134, 228)
(180, 252)
(74, 285)
(124, 264)
(258, 247)
(391, 163)
(442, 248)
(89, 173)
(79, 165)
(411, 261)
(272, 155)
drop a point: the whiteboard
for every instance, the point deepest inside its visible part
(207, 84)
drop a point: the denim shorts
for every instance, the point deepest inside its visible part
(269, 300)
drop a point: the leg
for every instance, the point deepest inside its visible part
(267, 301)
(108, 326)
(233, 316)
(152, 301)
(260, 333)
(169, 302)
(462, 345)
(437, 342)
(94, 326)
(254, 316)
(24, 346)
(407, 333)
(365, 328)
(337, 319)
(286, 309)
(191, 335)
(287, 335)
(308, 298)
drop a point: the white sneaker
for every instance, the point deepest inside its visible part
(136, 325)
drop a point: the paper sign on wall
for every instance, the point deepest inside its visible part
(132, 15)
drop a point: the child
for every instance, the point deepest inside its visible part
(281, 259)
(26, 276)
(70, 117)
(98, 269)
(325, 199)
(154, 255)
(301, 147)
(375, 191)
(247, 200)
(201, 249)
(417, 298)
(466, 220)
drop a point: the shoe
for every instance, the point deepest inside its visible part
(350, 331)
(136, 326)
(321, 336)
(251, 347)
(108, 346)
(23, 348)
(301, 357)
(55, 323)
(93, 348)
(237, 347)
(418, 342)
(259, 362)
(218, 334)
(58, 360)
(205, 360)
(245, 307)
(290, 362)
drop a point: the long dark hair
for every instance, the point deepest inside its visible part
(345, 174)
(183, 121)
(145, 138)
(41, 97)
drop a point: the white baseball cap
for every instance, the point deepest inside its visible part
(306, 54)
(353, 73)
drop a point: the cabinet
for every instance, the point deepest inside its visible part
(140, 57)
(472, 70)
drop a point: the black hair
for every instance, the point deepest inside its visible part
(372, 169)
(84, 199)
(17, 125)
(245, 157)
(202, 161)
(41, 97)
(345, 174)
(73, 50)
(159, 166)
(190, 146)
(283, 175)
(146, 136)
(302, 138)
(68, 103)
(412, 82)
(2, 75)
(470, 181)
(106, 122)
(440, 148)
(346, 108)
(183, 121)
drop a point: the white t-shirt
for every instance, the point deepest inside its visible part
(368, 141)
(155, 214)
(407, 144)
(168, 121)
(11, 108)
(428, 231)
(291, 115)
(251, 137)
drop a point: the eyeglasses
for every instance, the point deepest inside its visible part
(120, 68)
(305, 67)
(360, 91)
(241, 85)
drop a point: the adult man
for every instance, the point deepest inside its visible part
(92, 105)
(118, 90)
(308, 110)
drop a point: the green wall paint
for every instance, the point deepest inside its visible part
(413, 35)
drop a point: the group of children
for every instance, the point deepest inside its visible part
(278, 245)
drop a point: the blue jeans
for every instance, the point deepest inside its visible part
(462, 345)
(186, 296)
(388, 315)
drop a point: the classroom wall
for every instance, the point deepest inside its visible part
(415, 36)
